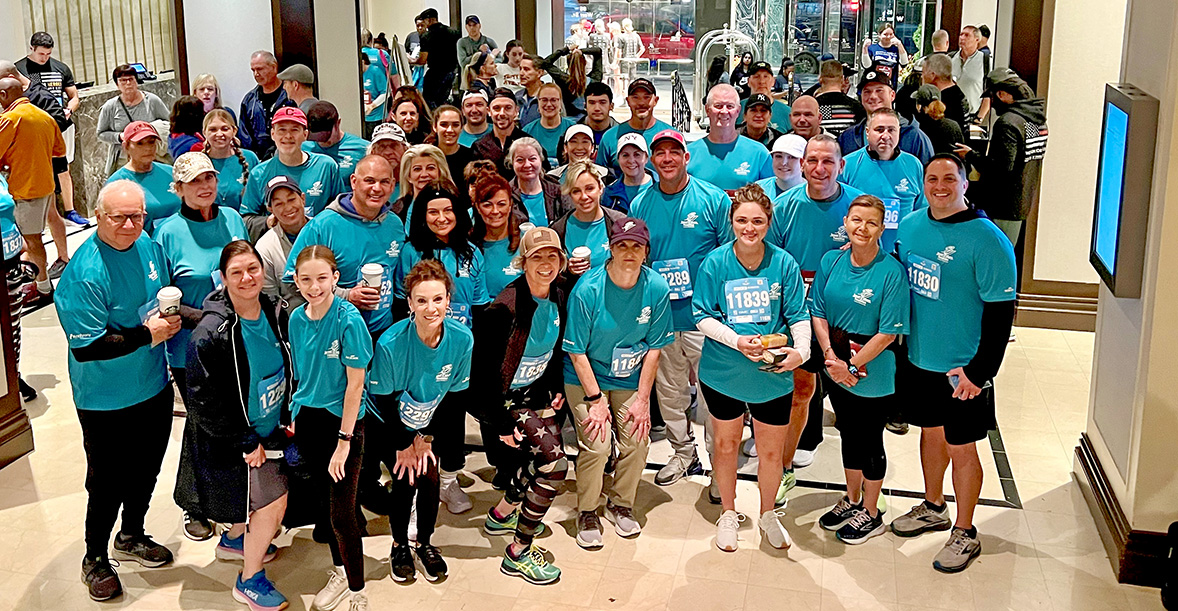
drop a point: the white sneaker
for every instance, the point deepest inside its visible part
(359, 602)
(750, 448)
(333, 593)
(454, 497)
(774, 531)
(803, 458)
(726, 526)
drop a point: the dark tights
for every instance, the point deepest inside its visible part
(861, 425)
(346, 547)
(426, 486)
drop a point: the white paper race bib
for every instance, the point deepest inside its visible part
(924, 277)
(678, 276)
(747, 300)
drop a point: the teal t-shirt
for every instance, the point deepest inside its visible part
(607, 149)
(864, 301)
(267, 376)
(898, 182)
(468, 140)
(418, 375)
(318, 177)
(356, 242)
(729, 166)
(161, 197)
(537, 211)
(615, 327)
(470, 287)
(591, 234)
(953, 269)
(101, 289)
(346, 153)
(498, 266)
(232, 180)
(322, 350)
(684, 228)
(751, 302)
(779, 120)
(542, 338)
(807, 228)
(192, 252)
(549, 138)
(376, 84)
(9, 232)
(769, 186)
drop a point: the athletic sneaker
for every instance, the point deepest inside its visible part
(840, 514)
(922, 518)
(958, 552)
(141, 549)
(359, 602)
(589, 530)
(803, 458)
(506, 526)
(34, 298)
(623, 519)
(774, 531)
(333, 593)
(56, 268)
(401, 564)
(713, 490)
(676, 468)
(77, 219)
(531, 566)
(258, 593)
(234, 549)
(431, 561)
(28, 393)
(788, 480)
(898, 428)
(197, 529)
(100, 578)
(726, 526)
(861, 527)
(454, 497)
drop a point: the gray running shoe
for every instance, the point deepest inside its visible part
(676, 468)
(589, 530)
(961, 549)
(921, 519)
(625, 524)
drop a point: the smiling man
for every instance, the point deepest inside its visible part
(641, 98)
(883, 170)
(284, 200)
(475, 107)
(725, 158)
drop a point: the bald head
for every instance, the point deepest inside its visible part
(372, 185)
(8, 69)
(804, 117)
(10, 91)
(723, 90)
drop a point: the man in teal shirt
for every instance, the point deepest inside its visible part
(326, 137)
(725, 158)
(641, 98)
(761, 80)
(881, 169)
(475, 110)
(106, 301)
(687, 218)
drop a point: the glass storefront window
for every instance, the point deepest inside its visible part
(667, 28)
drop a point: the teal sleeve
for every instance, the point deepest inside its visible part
(895, 307)
(251, 202)
(481, 296)
(703, 302)
(306, 237)
(793, 290)
(83, 313)
(380, 375)
(408, 258)
(357, 342)
(994, 269)
(462, 375)
(816, 299)
(578, 328)
(662, 328)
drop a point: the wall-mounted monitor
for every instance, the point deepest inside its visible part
(1123, 180)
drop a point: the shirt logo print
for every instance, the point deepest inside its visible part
(346, 161)
(863, 297)
(152, 274)
(946, 255)
(903, 187)
(775, 291)
(839, 236)
(743, 169)
(444, 374)
(690, 221)
(333, 351)
(394, 249)
(316, 189)
(644, 316)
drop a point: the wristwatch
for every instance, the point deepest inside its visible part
(345, 436)
(426, 438)
(592, 398)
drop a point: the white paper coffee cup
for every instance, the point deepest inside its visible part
(372, 273)
(582, 252)
(169, 300)
(526, 227)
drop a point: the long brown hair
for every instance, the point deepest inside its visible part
(222, 114)
(578, 79)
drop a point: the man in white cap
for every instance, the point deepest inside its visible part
(389, 141)
(787, 151)
(636, 177)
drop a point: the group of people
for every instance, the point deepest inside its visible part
(325, 304)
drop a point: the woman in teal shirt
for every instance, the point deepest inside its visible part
(588, 224)
(859, 303)
(233, 163)
(538, 199)
(140, 141)
(496, 231)
(331, 349)
(749, 301)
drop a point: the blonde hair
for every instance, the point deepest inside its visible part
(207, 79)
(515, 147)
(574, 171)
(425, 150)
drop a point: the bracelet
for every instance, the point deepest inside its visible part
(345, 436)
(592, 398)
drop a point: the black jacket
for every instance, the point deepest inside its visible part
(213, 479)
(1011, 168)
(556, 204)
(40, 97)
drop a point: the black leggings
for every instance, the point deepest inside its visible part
(450, 440)
(317, 430)
(534, 483)
(112, 481)
(860, 421)
(179, 378)
(426, 487)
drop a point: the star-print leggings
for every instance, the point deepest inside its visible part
(543, 465)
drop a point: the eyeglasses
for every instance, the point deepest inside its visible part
(121, 219)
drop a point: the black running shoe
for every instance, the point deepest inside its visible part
(141, 549)
(840, 514)
(100, 578)
(197, 528)
(431, 561)
(401, 564)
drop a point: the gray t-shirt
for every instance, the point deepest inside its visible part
(115, 115)
(970, 75)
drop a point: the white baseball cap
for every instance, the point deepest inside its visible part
(579, 128)
(792, 145)
(633, 138)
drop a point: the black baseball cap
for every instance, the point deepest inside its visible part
(472, 19)
(280, 182)
(641, 83)
(759, 66)
(759, 99)
(875, 75)
(321, 120)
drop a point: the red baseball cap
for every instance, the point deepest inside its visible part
(138, 130)
(290, 114)
(668, 134)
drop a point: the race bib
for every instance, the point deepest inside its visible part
(386, 289)
(417, 414)
(807, 282)
(678, 276)
(626, 360)
(459, 312)
(891, 213)
(13, 243)
(530, 369)
(747, 300)
(924, 276)
(270, 392)
(148, 310)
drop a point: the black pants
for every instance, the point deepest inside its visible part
(426, 486)
(436, 86)
(124, 450)
(317, 432)
(812, 434)
(17, 277)
(181, 381)
(861, 425)
(534, 483)
(450, 440)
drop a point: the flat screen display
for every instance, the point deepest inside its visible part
(1112, 180)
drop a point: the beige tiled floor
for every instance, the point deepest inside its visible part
(1046, 556)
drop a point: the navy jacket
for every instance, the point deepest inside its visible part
(254, 121)
(912, 140)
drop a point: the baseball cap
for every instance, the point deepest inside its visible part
(472, 19)
(298, 73)
(926, 94)
(632, 229)
(577, 128)
(289, 114)
(641, 83)
(538, 238)
(321, 120)
(668, 134)
(191, 165)
(875, 75)
(759, 99)
(633, 139)
(280, 182)
(389, 131)
(138, 130)
(1003, 79)
(759, 66)
(790, 144)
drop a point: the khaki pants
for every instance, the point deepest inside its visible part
(676, 362)
(595, 453)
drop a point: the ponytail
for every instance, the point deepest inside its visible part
(245, 168)
(935, 110)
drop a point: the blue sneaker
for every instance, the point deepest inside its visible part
(258, 593)
(77, 219)
(234, 549)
